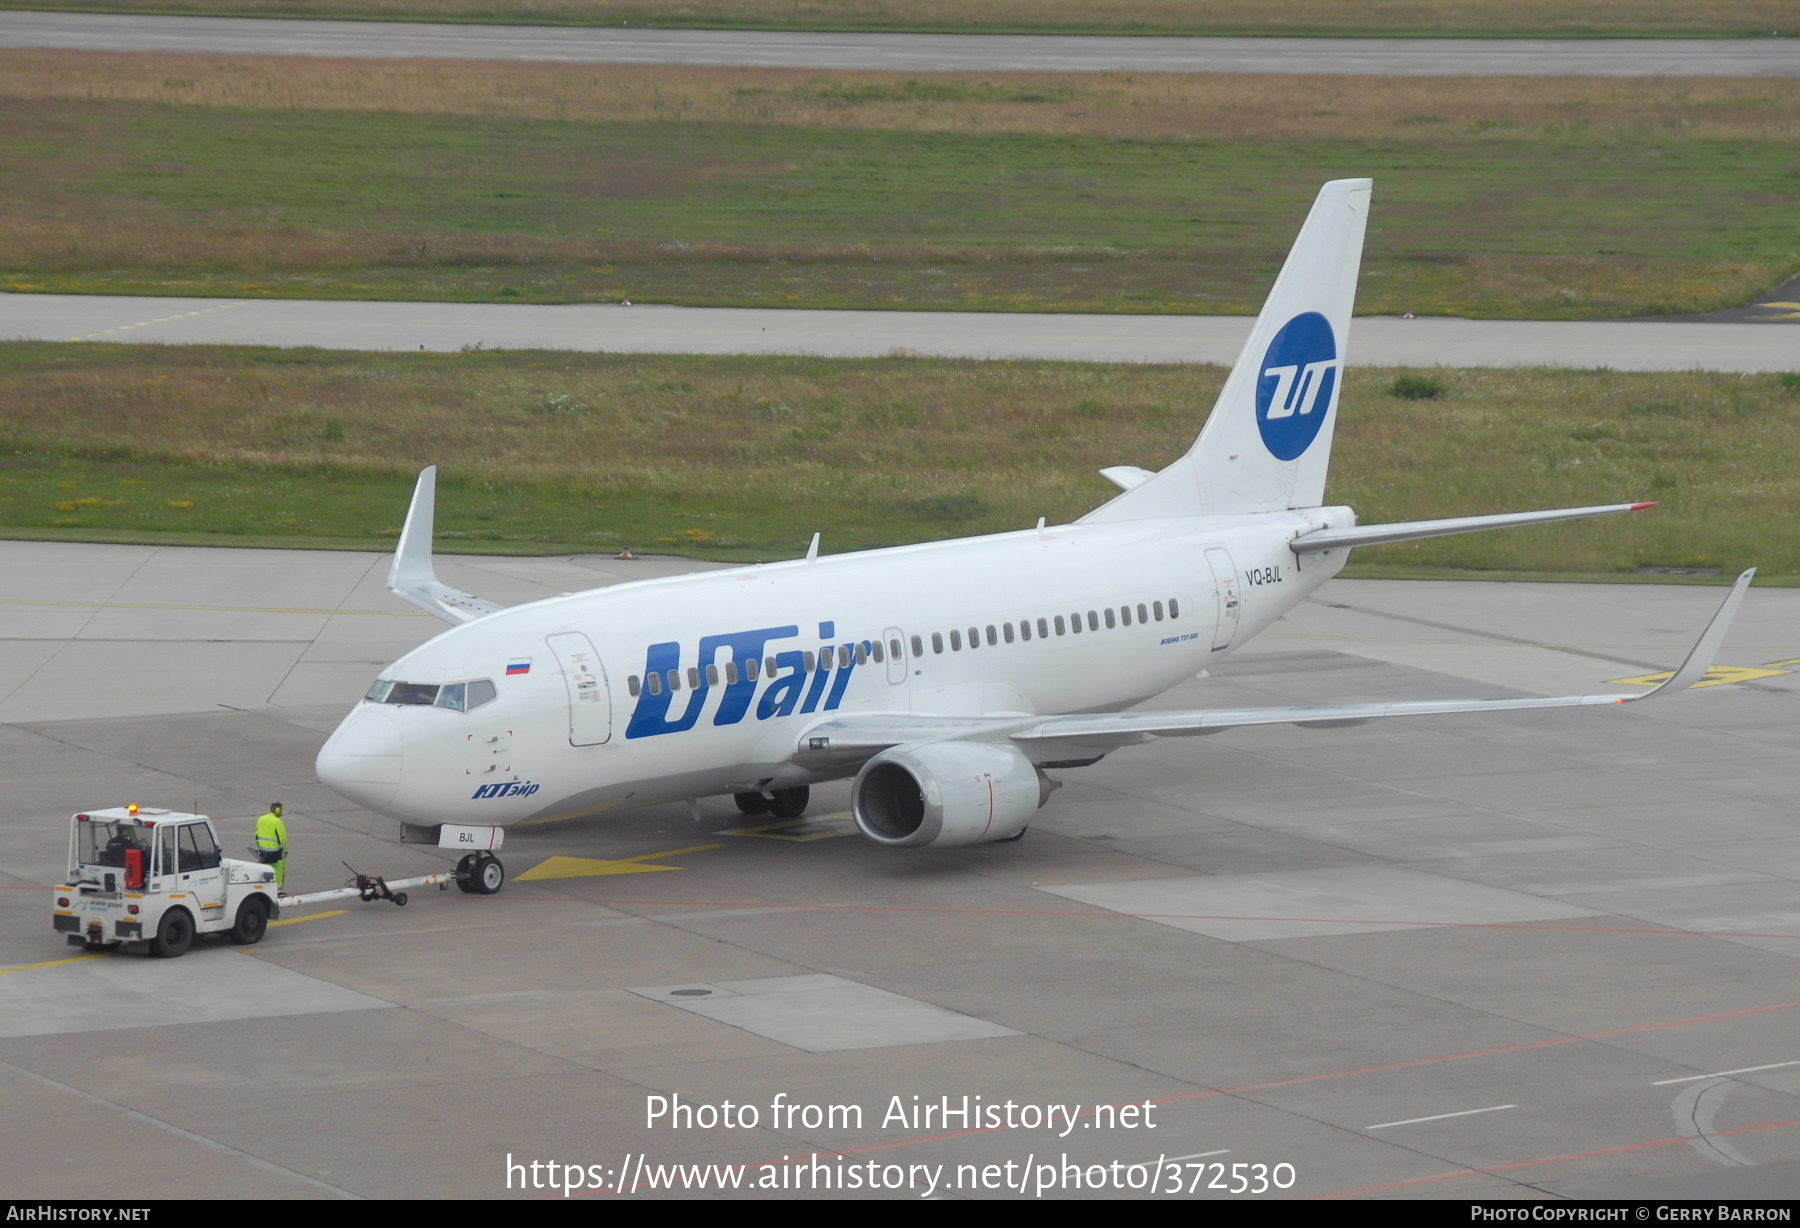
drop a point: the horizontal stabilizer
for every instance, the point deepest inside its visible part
(1413, 530)
(855, 738)
(412, 577)
(1126, 477)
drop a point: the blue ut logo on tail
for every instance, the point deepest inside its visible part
(1294, 391)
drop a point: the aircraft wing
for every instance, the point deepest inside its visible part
(1414, 530)
(1073, 740)
(412, 577)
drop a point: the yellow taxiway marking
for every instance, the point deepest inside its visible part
(225, 609)
(318, 916)
(1718, 675)
(1774, 664)
(186, 315)
(593, 867)
(820, 827)
(73, 959)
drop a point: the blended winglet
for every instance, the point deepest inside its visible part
(1700, 658)
(412, 577)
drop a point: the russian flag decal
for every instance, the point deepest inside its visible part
(521, 666)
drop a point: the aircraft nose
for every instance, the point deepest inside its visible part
(362, 759)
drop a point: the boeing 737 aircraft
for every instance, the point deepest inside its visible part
(947, 678)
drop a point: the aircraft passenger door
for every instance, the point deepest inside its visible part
(896, 655)
(1225, 582)
(590, 695)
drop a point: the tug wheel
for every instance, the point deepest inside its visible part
(252, 922)
(488, 875)
(790, 803)
(174, 936)
(751, 803)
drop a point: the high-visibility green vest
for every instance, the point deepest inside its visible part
(271, 833)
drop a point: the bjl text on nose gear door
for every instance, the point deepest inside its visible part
(590, 695)
(1225, 581)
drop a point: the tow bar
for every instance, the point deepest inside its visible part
(371, 887)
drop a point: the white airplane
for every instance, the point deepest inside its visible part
(948, 677)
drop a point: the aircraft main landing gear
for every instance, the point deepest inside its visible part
(782, 803)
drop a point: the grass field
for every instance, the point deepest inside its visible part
(1365, 17)
(425, 180)
(745, 458)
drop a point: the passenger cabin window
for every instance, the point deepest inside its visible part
(631, 684)
(693, 677)
(810, 661)
(1060, 629)
(1174, 610)
(1125, 615)
(1075, 623)
(862, 652)
(875, 651)
(937, 642)
(453, 697)
(1043, 629)
(918, 646)
(894, 648)
(731, 672)
(1109, 618)
(1093, 621)
(974, 637)
(674, 681)
(1143, 614)
(712, 675)
(1157, 609)
(843, 656)
(655, 683)
(956, 641)
(1025, 630)
(993, 637)
(1006, 629)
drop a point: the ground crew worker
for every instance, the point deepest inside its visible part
(271, 843)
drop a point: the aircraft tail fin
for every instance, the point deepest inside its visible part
(1267, 444)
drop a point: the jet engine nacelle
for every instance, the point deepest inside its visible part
(945, 794)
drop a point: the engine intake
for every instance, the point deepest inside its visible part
(944, 794)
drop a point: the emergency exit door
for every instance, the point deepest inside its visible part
(590, 695)
(1225, 584)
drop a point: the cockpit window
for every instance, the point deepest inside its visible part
(455, 696)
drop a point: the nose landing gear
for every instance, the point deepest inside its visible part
(480, 874)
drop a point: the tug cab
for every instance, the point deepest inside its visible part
(140, 875)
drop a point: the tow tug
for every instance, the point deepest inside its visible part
(138, 874)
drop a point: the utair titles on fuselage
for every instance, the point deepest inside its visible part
(946, 678)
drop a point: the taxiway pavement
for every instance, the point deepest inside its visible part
(641, 329)
(1528, 956)
(1738, 57)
